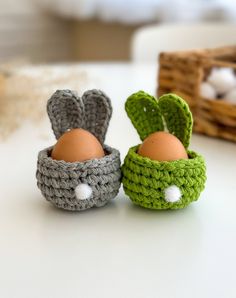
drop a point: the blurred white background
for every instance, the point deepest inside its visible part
(59, 30)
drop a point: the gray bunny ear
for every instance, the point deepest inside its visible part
(97, 113)
(65, 111)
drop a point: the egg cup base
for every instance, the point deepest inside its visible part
(57, 180)
(145, 180)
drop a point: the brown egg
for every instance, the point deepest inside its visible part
(77, 145)
(162, 146)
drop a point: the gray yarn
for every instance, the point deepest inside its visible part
(57, 180)
(97, 112)
(66, 110)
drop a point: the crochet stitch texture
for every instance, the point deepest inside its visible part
(145, 180)
(58, 180)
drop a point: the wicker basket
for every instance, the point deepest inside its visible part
(183, 72)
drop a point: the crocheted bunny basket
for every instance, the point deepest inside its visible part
(79, 185)
(166, 184)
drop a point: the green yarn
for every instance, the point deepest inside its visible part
(145, 180)
(177, 116)
(144, 113)
(149, 115)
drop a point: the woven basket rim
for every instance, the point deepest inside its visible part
(45, 158)
(196, 160)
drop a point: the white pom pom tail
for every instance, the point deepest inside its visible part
(83, 191)
(172, 194)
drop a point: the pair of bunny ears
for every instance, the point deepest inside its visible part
(149, 115)
(66, 110)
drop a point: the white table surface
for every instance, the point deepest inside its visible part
(119, 250)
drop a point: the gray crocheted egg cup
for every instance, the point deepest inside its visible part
(62, 183)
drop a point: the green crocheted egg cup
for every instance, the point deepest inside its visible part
(153, 184)
(145, 180)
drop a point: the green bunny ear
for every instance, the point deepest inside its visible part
(177, 116)
(144, 114)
